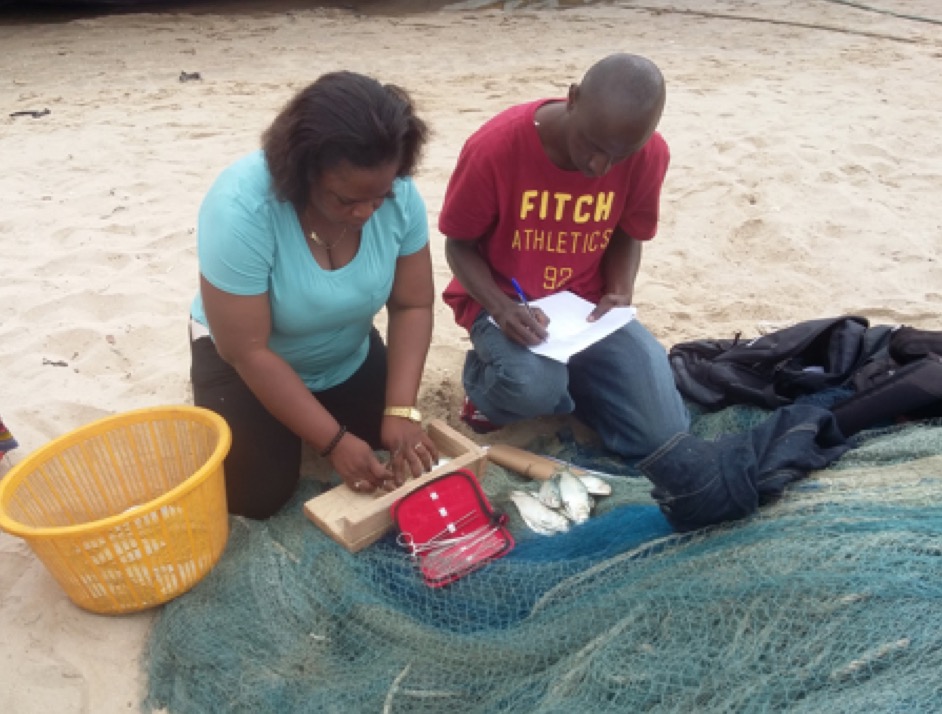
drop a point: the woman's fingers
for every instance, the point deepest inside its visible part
(412, 459)
(426, 454)
(360, 469)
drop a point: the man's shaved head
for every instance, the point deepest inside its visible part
(625, 85)
(612, 113)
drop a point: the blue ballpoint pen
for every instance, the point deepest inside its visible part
(523, 298)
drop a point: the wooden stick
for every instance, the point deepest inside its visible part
(523, 462)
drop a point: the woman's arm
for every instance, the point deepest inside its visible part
(241, 326)
(410, 311)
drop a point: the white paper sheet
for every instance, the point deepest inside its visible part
(569, 332)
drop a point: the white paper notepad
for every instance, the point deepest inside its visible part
(569, 332)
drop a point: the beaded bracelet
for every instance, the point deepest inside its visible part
(333, 442)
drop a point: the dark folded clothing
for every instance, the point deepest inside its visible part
(893, 391)
(699, 483)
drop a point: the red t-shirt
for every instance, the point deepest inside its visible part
(544, 226)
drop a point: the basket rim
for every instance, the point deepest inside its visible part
(135, 416)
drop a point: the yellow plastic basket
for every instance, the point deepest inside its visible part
(126, 512)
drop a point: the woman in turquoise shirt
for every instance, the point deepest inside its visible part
(300, 245)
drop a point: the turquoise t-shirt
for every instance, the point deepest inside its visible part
(249, 243)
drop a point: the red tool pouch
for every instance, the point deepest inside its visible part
(449, 527)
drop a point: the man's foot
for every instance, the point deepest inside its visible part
(479, 423)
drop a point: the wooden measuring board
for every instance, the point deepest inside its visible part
(356, 520)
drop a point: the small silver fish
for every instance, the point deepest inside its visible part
(575, 497)
(595, 485)
(538, 517)
(549, 492)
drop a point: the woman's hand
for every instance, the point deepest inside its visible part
(358, 466)
(413, 451)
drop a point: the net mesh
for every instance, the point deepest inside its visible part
(828, 600)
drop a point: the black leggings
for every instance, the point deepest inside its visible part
(264, 464)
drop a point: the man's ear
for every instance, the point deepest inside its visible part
(572, 96)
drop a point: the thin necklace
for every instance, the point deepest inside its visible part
(317, 240)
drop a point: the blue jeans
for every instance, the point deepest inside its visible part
(700, 483)
(622, 386)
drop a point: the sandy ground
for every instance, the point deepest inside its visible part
(806, 176)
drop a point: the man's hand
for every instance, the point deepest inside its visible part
(607, 303)
(525, 326)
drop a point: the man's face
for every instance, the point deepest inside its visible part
(599, 138)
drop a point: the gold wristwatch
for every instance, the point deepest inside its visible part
(410, 413)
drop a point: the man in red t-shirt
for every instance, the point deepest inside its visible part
(560, 194)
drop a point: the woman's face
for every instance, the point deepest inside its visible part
(348, 195)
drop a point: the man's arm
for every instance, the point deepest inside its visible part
(619, 268)
(475, 275)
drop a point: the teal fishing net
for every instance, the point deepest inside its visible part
(829, 600)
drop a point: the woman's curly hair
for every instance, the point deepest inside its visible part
(342, 116)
